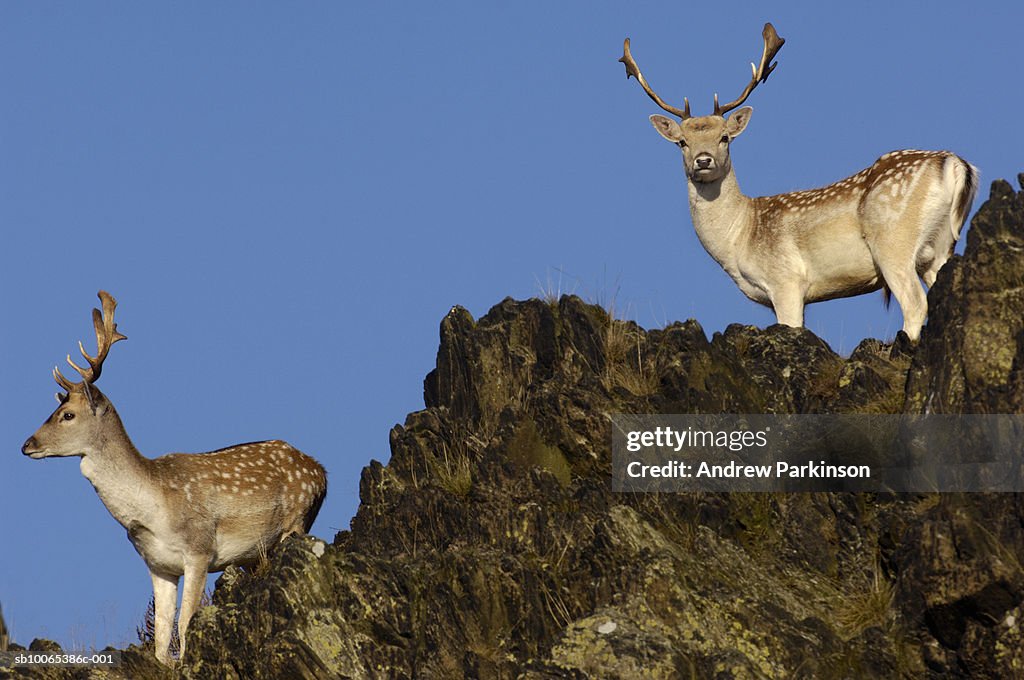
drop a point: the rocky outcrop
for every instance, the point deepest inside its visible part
(971, 358)
(491, 544)
(960, 579)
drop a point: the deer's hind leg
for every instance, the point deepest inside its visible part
(895, 250)
(895, 255)
(906, 288)
(906, 243)
(937, 248)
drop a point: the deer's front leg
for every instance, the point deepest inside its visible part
(165, 598)
(788, 304)
(191, 594)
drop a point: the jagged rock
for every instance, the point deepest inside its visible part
(872, 380)
(972, 353)
(491, 546)
(743, 370)
(959, 560)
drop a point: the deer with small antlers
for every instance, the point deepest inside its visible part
(888, 226)
(186, 514)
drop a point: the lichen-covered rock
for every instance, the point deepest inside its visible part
(958, 562)
(872, 380)
(491, 546)
(971, 356)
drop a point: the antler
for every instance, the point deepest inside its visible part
(772, 44)
(633, 70)
(106, 336)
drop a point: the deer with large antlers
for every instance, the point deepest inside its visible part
(888, 226)
(186, 514)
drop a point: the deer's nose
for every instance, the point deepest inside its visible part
(29, 446)
(703, 162)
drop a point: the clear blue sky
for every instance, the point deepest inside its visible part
(287, 199)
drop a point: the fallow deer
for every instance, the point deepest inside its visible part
(887, 226)
(186, 514)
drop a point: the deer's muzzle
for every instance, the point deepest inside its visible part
(30, 447)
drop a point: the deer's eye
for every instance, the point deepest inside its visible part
(725, 139)
(68, 415)
(681, 143)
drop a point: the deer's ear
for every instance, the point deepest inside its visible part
(737, 122)
(667, 128)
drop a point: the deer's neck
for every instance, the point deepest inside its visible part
(120, 475)
(721, 216)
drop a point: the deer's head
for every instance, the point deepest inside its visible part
(80, 421)
(704, 140)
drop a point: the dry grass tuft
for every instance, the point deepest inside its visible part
(867, 608)
(455, 472)
(147, 630)
(627, 360)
